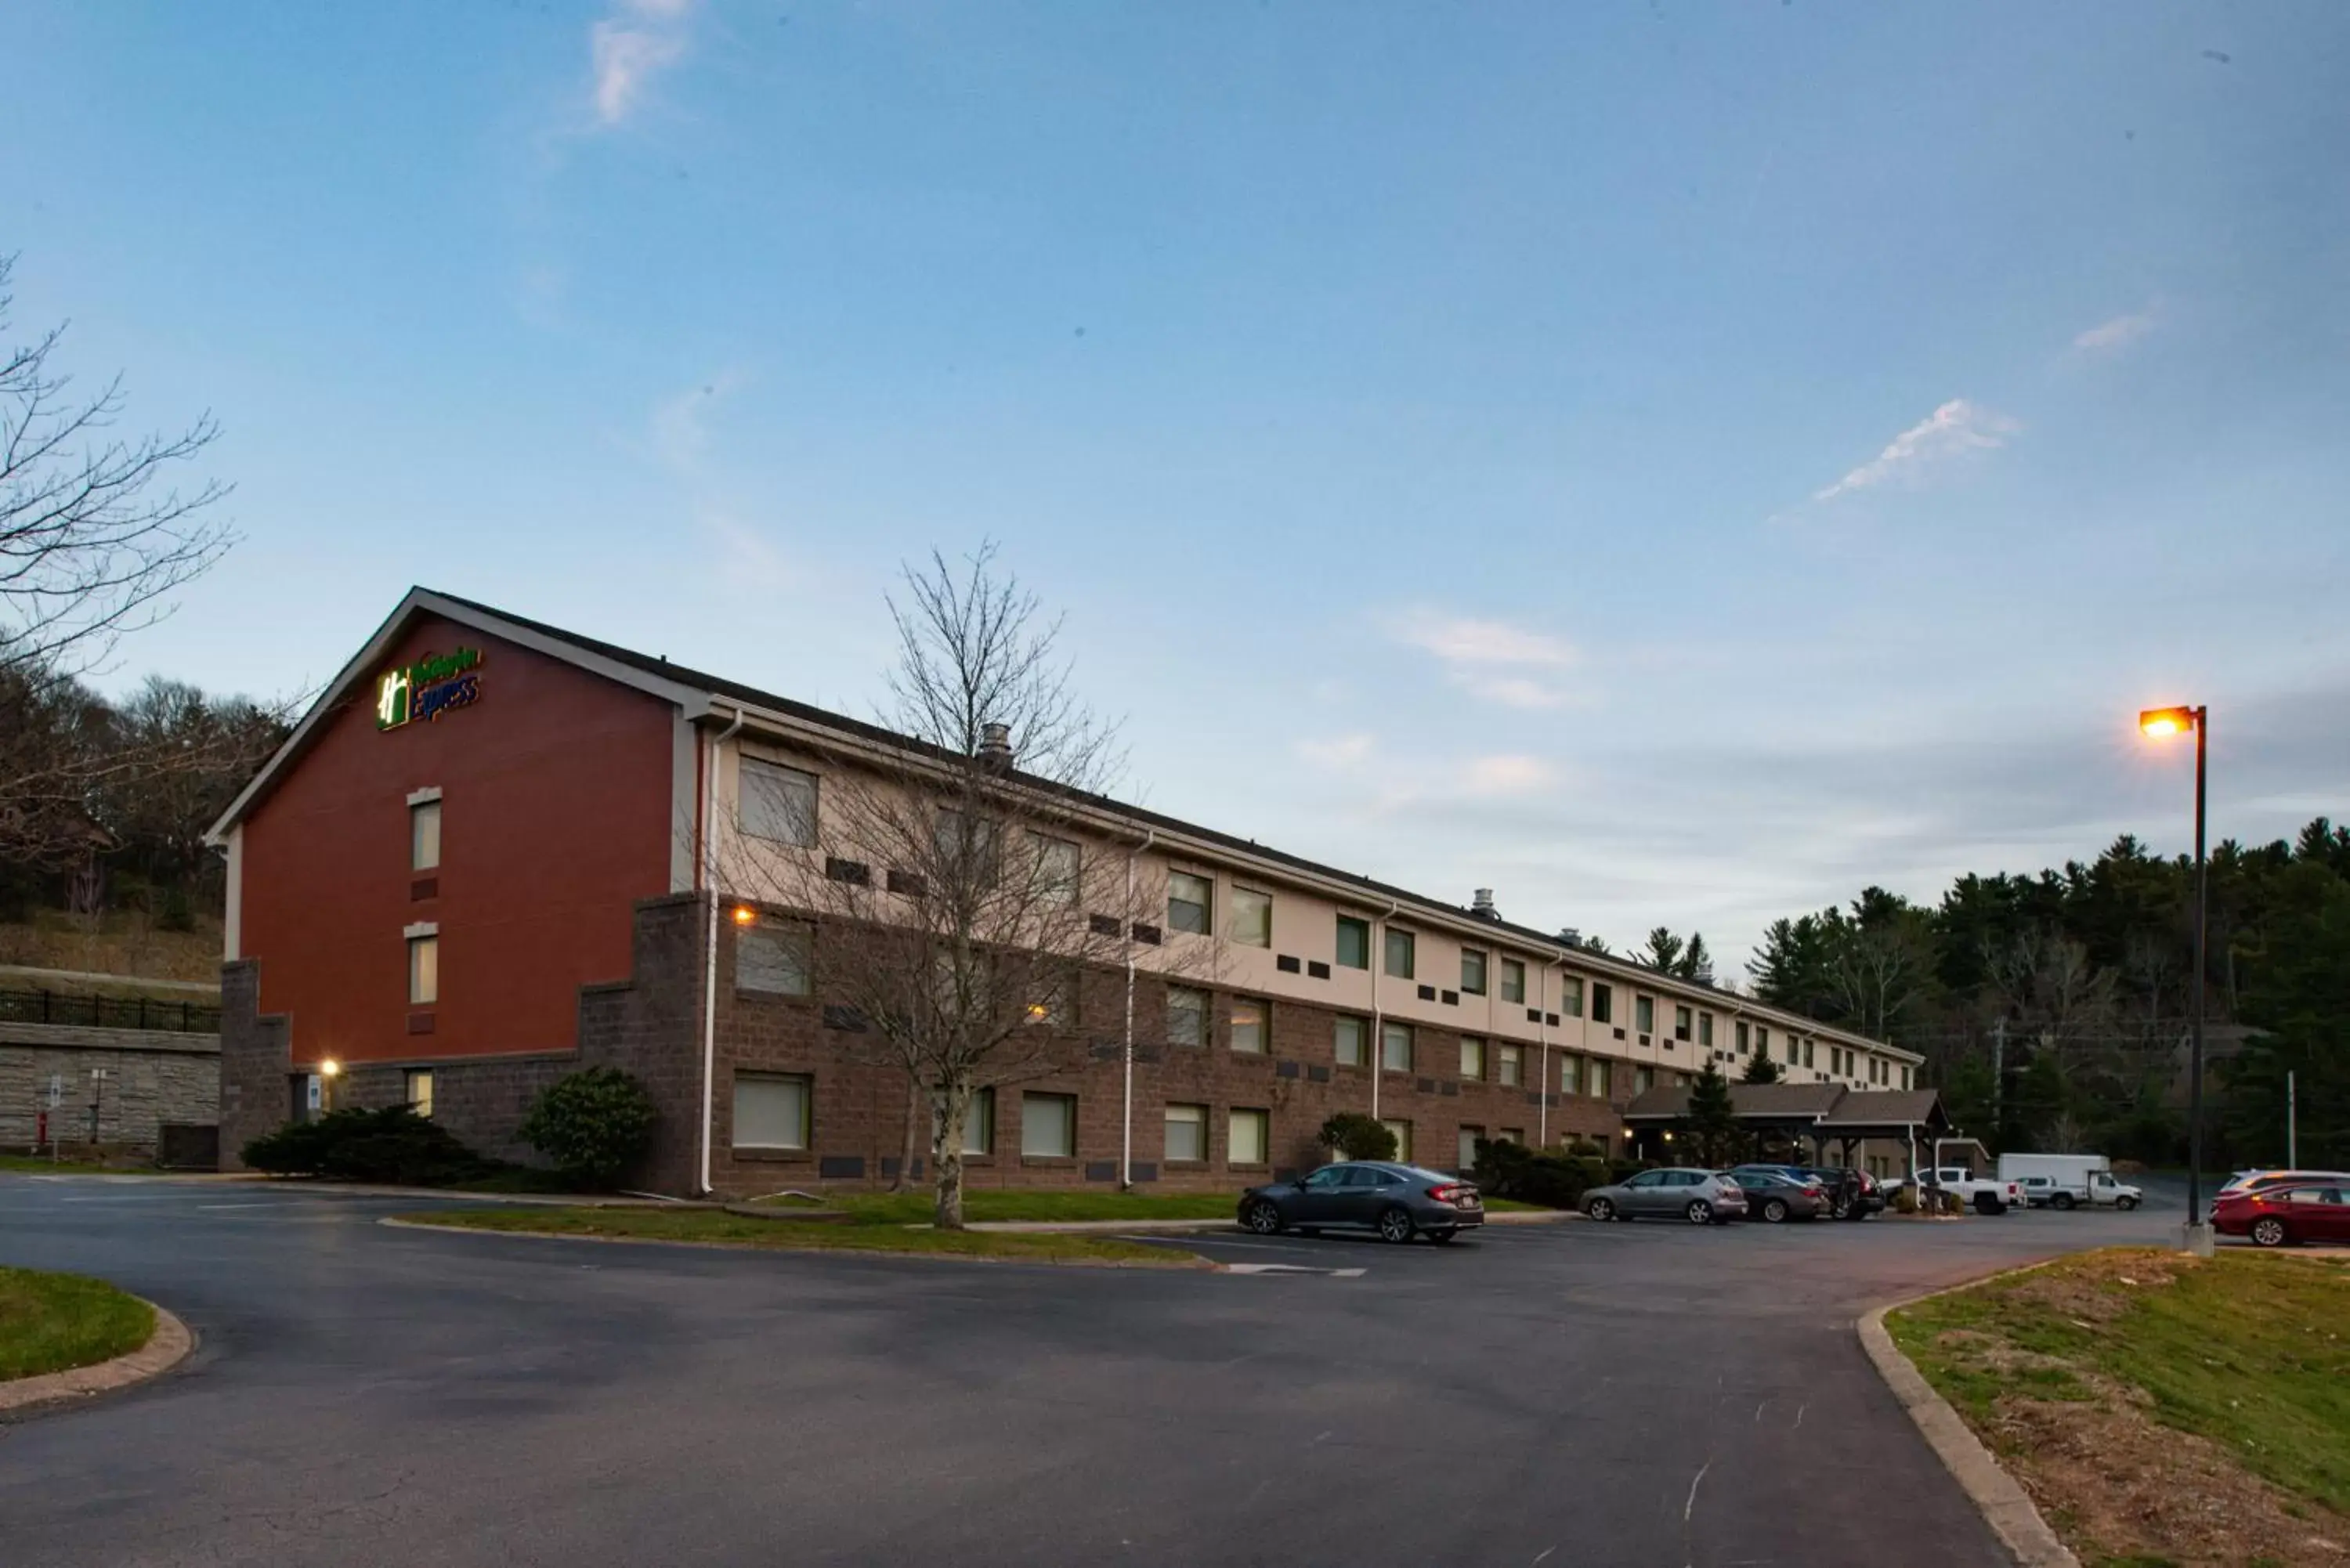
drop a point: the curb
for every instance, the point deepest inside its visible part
(165, 1348)
(395, 1222)
(2005, 1506)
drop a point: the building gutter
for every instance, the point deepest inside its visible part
(709, 870)
(1376, 1046)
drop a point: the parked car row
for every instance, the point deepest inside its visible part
(2284, 1208)
(1773, 1194)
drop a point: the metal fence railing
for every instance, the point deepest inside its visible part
(108, 1011)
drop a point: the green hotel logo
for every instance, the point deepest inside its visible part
(428, 688)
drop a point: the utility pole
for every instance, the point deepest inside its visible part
(2291, 1126)
(1998, 1075)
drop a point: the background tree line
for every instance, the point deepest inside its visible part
(2052, 1011)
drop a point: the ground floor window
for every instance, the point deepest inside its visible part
(1466, 1156)
(1513, 1134)
(418, 1088)
(978, 1121)
(1510, 1066)
(1048, 1125)
(1643, 1079)
(1350, 1042)
(1596, 1076)
(771, 1110)
(1187, 1132)
(1395, 1047)
(1402, 1131)
(1251, 1134)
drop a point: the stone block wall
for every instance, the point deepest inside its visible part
(151, 1077)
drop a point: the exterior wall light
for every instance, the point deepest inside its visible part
(743, 915)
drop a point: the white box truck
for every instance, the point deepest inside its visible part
(2069, 1181)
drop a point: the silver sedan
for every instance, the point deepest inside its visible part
(1698, 1197)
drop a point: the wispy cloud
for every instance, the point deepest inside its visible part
(1507, 775)
(678, 438)
(1493, 660)
(2108, 337)
(638, 41)
(1336, 751)
(1952, 430)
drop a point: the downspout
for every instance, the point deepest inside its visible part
(1542, 1032)
(1378, 1042)
(1125, 1124)
(709, 869)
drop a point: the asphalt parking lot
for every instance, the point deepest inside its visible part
(1569, 1394)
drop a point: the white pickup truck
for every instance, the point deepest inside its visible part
(2069, 1181)
(1983, 1194)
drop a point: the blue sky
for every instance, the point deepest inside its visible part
(1668, 462)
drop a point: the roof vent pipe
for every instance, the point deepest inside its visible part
(995, 745)
(1571, 937)
(1482, 905)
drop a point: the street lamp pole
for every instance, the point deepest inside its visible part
(2159, 721)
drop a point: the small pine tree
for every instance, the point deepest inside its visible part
(1713, 1121)
(1761, 1069)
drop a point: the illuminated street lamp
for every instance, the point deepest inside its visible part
(2161, 723)
(328, 1070)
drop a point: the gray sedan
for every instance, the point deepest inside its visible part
(1778, 1199)
(1700, 1196)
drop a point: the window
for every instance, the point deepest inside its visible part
(1472, 973)
(1643, 1079)
(419, 1091)
(1466, 1156)
(1512, 1065)
(777, 803)
(1248, 1031)
(1048, 1126)
(1570, 1074)
(1603, 1003)
(1905, 1077)
(1570, 995)
(978, 1121)
(1350, 1041)
(1249, 1134)
(1644, 1015)
(1402, 1131)
(1058, 864)
(1808, 1052)
(1252, 918)
(772, 957)
(956, 835)
(1705, 1028)
(1513, 981)
(1354, 942)
(1401, 951)
(1743, 1033)
(423, 970)
(1681, 1023)
(1597, 1077)
(1187, 1016)
(1188, 901)
(1512, 1134)
(1472, 1057)
(1395, 1047)
(1762, 1042)
(771, 1110)
(1187, 1132)
(424, 836)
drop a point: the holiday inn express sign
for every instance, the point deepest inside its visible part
(428, 688)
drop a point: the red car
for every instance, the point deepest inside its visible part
(2285, 1215)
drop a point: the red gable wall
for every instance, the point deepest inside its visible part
(555, 817)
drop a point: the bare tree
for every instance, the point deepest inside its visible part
(90, 548)
(976, 909)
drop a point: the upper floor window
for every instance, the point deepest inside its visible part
(777, 803)
(1761, 1041)
(1644, 1015)
(1705, 1028)
(1603, 1002)
(1472, 973)
(1187, 1016)
(424, 836)
(1354, 942)
(1472, 1057)
(1742, 1038)
(1808, 1052)
(1570, 996)
(1189, 900)
(772, 957)
(1905, 1077)
(1402, 953)
(1513, 981)
(1058, 864)
(1681, 1023)
(1252, 918)
(424, 970)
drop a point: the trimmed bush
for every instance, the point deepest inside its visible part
(394, 1146)
(594, 1124)
(1549, 1176)
(1357, 1137)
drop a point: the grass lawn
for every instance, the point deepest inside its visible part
(2248, 1352)
(861, 1234)
(51, 1322)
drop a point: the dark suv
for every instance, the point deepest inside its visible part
(1393, 1200)
(1851, 1194)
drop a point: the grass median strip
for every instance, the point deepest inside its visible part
(987, 1206)
(54, 1323)
(717, 1227)
(2160, 1409)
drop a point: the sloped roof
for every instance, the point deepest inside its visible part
(1759, 1102)
(1887, 1107)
